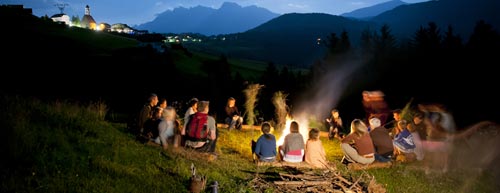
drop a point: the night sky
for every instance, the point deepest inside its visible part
(133, 12)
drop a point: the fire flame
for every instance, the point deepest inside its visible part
(303, 128)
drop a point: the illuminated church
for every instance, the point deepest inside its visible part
(87, 20)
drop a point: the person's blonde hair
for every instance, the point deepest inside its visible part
(169, 113)
(358, 127)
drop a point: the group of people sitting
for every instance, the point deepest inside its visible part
(405, 141)
(293, 149)
(367, 141)
(159, 124)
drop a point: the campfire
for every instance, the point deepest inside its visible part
(303, 126)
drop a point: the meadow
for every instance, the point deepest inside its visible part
(62, 146)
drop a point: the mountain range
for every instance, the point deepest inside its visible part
(368, 12)
(291, 38)
(229, 18)
(462, 15)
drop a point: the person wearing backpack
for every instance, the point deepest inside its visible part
(201, 130)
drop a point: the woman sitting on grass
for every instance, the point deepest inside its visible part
(265, 147)
(315, 153)
(358, 145)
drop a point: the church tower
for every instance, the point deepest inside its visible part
(87, 20)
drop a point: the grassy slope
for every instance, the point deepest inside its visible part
(101, 41)
(64, 147)
(249, 69)
(33, 30)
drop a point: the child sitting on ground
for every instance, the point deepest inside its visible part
(315, 153)
(265, 147)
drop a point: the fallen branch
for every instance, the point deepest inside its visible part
(301, 176)
(298, 183)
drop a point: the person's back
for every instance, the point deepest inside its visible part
(265, 147)
(209, 144)
(381, 141)
(293, 147)
(358, 145)
(315, 153)
(403, 141)
(192, 108)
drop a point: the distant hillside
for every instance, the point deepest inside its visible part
(229, 18)
(462, 15)
(368, 12)
(290, 39)
(44, 59)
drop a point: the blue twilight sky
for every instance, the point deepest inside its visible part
(134, 12)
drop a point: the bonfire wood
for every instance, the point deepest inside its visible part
(302, 183)
(283, 163)
(301, 176)
(343, 179)
(341, 186)
(325, 182)
(357, 181)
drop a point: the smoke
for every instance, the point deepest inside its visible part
(328, 89)
(323, 95)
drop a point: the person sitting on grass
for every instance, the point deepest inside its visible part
(168, 128)
(293, 147)
(357, 146)
(199, 120)
(334, 124)
(403, 143)
(233, 119)
(265, 147)
(151, 131)
(315, 153)
(381, 141)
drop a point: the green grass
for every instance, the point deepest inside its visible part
(249, 69)
(97, 40)
(69, 147)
